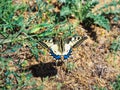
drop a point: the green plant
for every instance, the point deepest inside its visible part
(77, 8)
(100, 88)
(83, 12)
(116, 44)
(41, 87)
(10, 79)
(59, 85)
(16, 80)
(70, 66)
(116, 84)
(11, 27)
(9, 23)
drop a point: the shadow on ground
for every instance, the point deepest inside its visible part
(44, 69)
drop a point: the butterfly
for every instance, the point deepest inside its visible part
(60, 48)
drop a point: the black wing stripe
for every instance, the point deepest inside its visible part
(79, 42)
(44, 45)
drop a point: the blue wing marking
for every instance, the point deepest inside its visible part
(58, 57)
(69, 53)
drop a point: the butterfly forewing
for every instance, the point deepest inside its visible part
(51, 44)
(79, 41)
(47, 43)
(75, 41)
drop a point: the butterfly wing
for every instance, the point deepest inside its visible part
(52, 45)
(47, 43)
(71, 43)
(75, 41)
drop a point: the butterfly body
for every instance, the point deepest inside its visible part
(60, 48)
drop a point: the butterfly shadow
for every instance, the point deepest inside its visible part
(44, 69)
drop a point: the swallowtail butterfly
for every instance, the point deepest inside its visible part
(60, 48)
